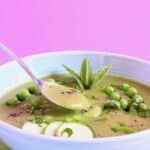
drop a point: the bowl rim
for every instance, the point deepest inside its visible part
(96, 140)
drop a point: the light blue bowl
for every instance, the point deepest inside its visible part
(43, 64)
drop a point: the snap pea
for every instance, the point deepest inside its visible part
(76, 77)
(100, 75)
(86, 72)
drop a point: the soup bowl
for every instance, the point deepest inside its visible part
(11, 75)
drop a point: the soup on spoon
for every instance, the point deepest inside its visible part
(58, 94)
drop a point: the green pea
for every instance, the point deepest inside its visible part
(109, 90)
(115, 96)
(143, 106)
(112, 104)
(124, 103)
(23, 95)
(34, 90)
(125, 87)
(12, 102)
(138, 99)
(132, 92)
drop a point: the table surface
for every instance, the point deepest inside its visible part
(33, 26)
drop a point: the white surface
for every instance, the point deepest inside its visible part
(11, 75)
(52, 127)
(33, 128)
(79, 131)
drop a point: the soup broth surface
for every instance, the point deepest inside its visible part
(103, 126)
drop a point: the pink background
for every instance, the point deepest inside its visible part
(33, 26)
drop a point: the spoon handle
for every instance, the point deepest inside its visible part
(21, 63)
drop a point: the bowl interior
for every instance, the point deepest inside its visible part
(12, 74)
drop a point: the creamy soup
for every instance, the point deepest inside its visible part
(106, 124)
(118, 106)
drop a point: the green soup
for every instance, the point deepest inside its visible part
(110, 114)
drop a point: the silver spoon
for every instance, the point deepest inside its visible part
(58, 94)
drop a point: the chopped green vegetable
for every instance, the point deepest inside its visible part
(100, 75)
(12, 102)
(38, 120)
(86, 73)
(76, 77)
(23, 95)
(125, 129)
(46, 119)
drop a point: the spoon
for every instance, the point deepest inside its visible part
(58, 94)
